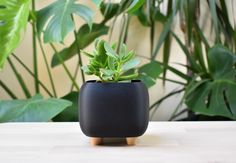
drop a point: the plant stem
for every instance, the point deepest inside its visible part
(178, 114)
(177, 109)
(152, 25)
(48, 68)
(20, 79)
(35, 62)
(75, 76)
(65, 67)
(10, 93)
(78, 51)
(165, 97)
(112, 28)
(32, 74)
(122, 32)
(173, 81)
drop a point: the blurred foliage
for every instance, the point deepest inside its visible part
(208, 88)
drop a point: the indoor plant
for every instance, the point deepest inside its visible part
(117, 104)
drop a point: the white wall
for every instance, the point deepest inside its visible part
(138, 39)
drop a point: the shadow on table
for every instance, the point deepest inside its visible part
(145, 140)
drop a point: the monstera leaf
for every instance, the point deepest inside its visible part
(13, 19)
(215, 95)
(55, 20)
(35, 109)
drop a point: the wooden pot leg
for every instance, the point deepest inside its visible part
(95, 141)
(130, 140)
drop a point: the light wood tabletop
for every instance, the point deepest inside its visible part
(164, 142)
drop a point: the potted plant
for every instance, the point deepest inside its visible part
(116, 105)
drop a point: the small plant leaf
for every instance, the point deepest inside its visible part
(86, 70)
(129, 77)
(110, 66)
(101, 56)
(107, 72)
(110, 52)
(131, 64)
(122, 51)
(111, 63)
(128, 57)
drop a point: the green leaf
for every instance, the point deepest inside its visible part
(87, 54)
(152, 69)
(129, 77)
(110, 52)
(107, 72)
(86, 70)
(101, 56)
(109, 10)
(71, 113)
(128, 57)
(166, 28)
(191, 18)
(142, 17)
(149, 73)
(221, 63)
(216, 95)
(85, 37)
(13, 19)
(136, 4)
(176, 71)
(35, 109)
(160, 17)
(147, 80)
(164, 34)
(192, 61)
(131, 64)
(111, 63)
(213, 11)
(122, 51)
(166, 53)
(55, 20)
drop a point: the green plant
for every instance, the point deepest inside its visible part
(196, 46)
(11, 25)
(35, 109)
(53, 25)
(50, 25)
(214, 93)
(109, 65)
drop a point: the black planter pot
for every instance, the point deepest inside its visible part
(114, 109)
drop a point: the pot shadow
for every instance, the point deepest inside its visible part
(143, 141)
(114, 142)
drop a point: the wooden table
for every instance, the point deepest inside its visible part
(164, 142)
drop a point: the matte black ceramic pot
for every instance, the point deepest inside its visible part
(114, 109)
